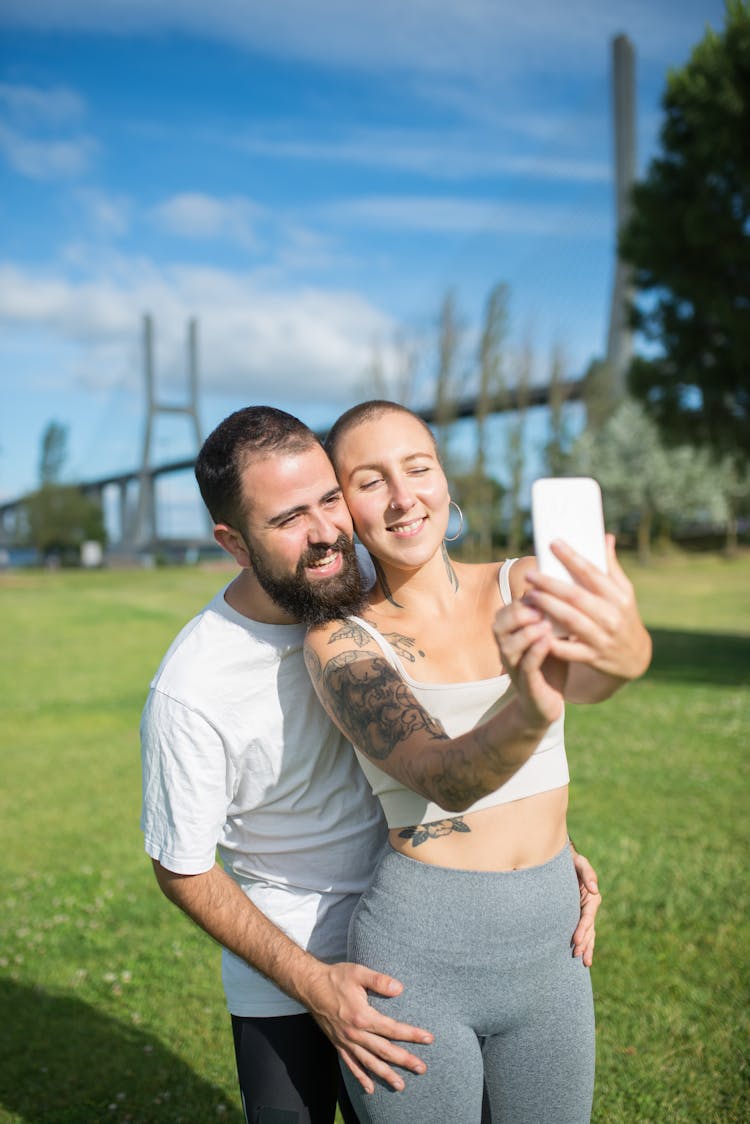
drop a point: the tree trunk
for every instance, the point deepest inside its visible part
(645, 524)
(731, 543)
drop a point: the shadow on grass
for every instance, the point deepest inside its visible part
(722, 659)
(63, 1061)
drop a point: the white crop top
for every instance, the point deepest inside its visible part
(459, 707)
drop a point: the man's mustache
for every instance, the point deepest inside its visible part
(314, 553)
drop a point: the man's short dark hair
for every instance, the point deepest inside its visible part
(254, 433)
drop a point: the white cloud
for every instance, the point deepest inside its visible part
(279, 240)
(55, 105)
(480, 39)
(86, 312)
(443, 156)
(27, 139)
(199, 216)
(46, 159)
(108, 216)
(454, 215)
(302, 342)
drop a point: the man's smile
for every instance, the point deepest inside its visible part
(330, 563)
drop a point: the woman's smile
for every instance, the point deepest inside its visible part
(406, 530)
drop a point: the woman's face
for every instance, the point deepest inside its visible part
(395, 488)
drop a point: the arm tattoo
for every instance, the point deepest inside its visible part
(313, 664)
(452, 575)
(350, 630)
(424, 831)
(374, 705)
(378, 712)
(403, 645)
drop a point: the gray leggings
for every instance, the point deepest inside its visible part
(486, 964)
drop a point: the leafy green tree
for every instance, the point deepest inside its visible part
(59, 518)
(688, 240)
(645, 482)
(480, 498)
(733, 482)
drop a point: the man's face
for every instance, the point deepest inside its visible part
(298, 532)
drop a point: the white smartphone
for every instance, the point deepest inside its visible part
(568, 508)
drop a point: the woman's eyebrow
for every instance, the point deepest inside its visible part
(404, 460)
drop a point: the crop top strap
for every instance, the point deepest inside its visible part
(503, 578)
(381, 642)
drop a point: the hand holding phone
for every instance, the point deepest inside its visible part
(605, 630)
(568, 508)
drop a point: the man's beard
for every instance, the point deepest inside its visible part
(319, 601)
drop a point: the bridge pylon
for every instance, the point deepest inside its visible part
(143, 533)
(620, 335)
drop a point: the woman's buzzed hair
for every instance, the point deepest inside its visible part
(254, 433)
(365, 412)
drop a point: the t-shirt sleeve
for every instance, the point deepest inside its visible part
(186, 786)
(366, 567)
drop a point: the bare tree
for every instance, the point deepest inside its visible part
(373, 383)
(599, 394)
(53, 453)
(448, 381)
(392, 371)
(516, 449)
(406, 365)
(557, 445)
(490, 392)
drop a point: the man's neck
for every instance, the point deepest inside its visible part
(246, 596)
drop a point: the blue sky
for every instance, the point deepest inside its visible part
(307, 180)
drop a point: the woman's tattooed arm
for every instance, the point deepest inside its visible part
(377, 711)
(374, 705)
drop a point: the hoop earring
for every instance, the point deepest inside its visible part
(459, 532)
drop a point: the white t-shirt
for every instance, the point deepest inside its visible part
(239, 754)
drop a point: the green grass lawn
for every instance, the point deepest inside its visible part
(111, 1000)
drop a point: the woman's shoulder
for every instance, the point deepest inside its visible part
(508, 575)
(516, 570)
(340, 634)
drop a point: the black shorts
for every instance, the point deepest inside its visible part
(288, 1071)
